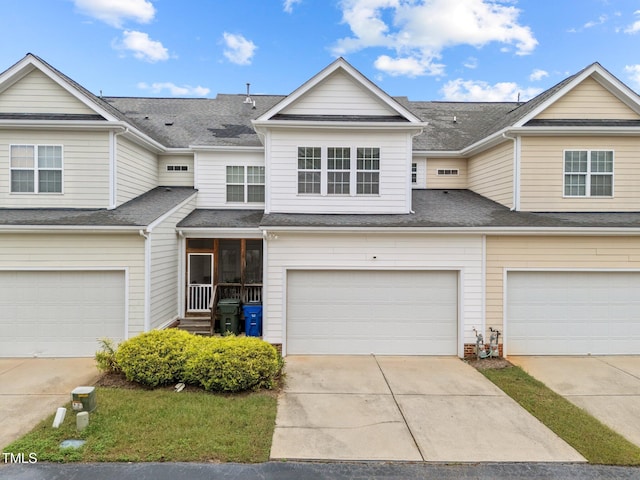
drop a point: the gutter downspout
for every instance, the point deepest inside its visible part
(113, 166)
(182, 271)
(516, 170)
(147, 279)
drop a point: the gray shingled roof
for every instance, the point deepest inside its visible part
(139, 212)
(206, 218)
(461, 209)
(182, 122)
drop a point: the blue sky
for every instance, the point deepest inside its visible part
(424, 49)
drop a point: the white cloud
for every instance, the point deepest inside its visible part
(288, 5)
(471, 63)
(538, 74)
(419, 30)
(634, 74)
(239, 50)
(601, 19)
(115, 12)
(175, 90)
(409, 67)
(635, 26)
(143, 47)
(460, 90)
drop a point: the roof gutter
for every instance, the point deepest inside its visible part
(97, 229)
(537, 231)
(332, 124)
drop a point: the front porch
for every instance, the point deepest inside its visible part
(219, 269)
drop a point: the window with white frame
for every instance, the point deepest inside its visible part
(36, 168)
(368, 171)
(309, 170)
(414, 173)
(588, 173)
(245, 185)
(338, 170)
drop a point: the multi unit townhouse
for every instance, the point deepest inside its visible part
(363, 223)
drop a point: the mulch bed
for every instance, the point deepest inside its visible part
(489, 363)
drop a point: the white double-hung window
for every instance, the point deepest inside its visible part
(339, 170)
(588, 173)
(36, 169)
(245, 184)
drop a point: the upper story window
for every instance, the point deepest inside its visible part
(588, 173)
(309, 169)
(338, 170)
(177, 168)
(368, 171)
(36, 168)
(245, 184)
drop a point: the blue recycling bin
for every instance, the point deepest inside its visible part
(252, 319)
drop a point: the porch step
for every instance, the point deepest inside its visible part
(196, 325)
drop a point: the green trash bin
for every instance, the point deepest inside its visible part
(229, 314)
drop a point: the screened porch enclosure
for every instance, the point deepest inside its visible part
(223, 268)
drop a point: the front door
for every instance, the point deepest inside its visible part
(200, 276)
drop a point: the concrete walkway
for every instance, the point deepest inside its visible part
(606, 387)
(435, 409)
(33, 388)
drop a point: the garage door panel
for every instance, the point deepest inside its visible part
(60, 313)
(363, 312)
(573, 313)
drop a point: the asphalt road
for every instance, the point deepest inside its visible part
(312, 471)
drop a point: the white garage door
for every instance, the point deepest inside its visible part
(363, 312)
(59, 313)
(573, 313)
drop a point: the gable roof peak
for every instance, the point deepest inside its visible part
(340, 63)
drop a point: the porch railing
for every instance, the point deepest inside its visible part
(200, 297)
(246, 293)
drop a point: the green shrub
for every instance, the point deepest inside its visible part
(233, 364)
(106, 356)
(157, 357)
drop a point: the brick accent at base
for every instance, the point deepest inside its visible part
(470, 349)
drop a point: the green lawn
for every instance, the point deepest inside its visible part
(595, 441)
(161, 425)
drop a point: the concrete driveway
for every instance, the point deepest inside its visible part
(33, 388)
(606, 387)
(435, 409)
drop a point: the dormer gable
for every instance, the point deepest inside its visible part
(589, 100)
(339, 93)
(33, 88)
(592, 94)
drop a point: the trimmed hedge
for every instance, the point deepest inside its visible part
(233, 364)
(155, 358)
(221, 364)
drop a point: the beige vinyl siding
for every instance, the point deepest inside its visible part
(175, 178)
(211, 177)
(542, 177)
(502, 252)
(588, 100)
(491, 174)
(165, 271)
(88, 251)
(85, 174)
(395, 171)
(446, 181)
(137, 170)
(357, 252)
(338, 94)
(37, 93)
